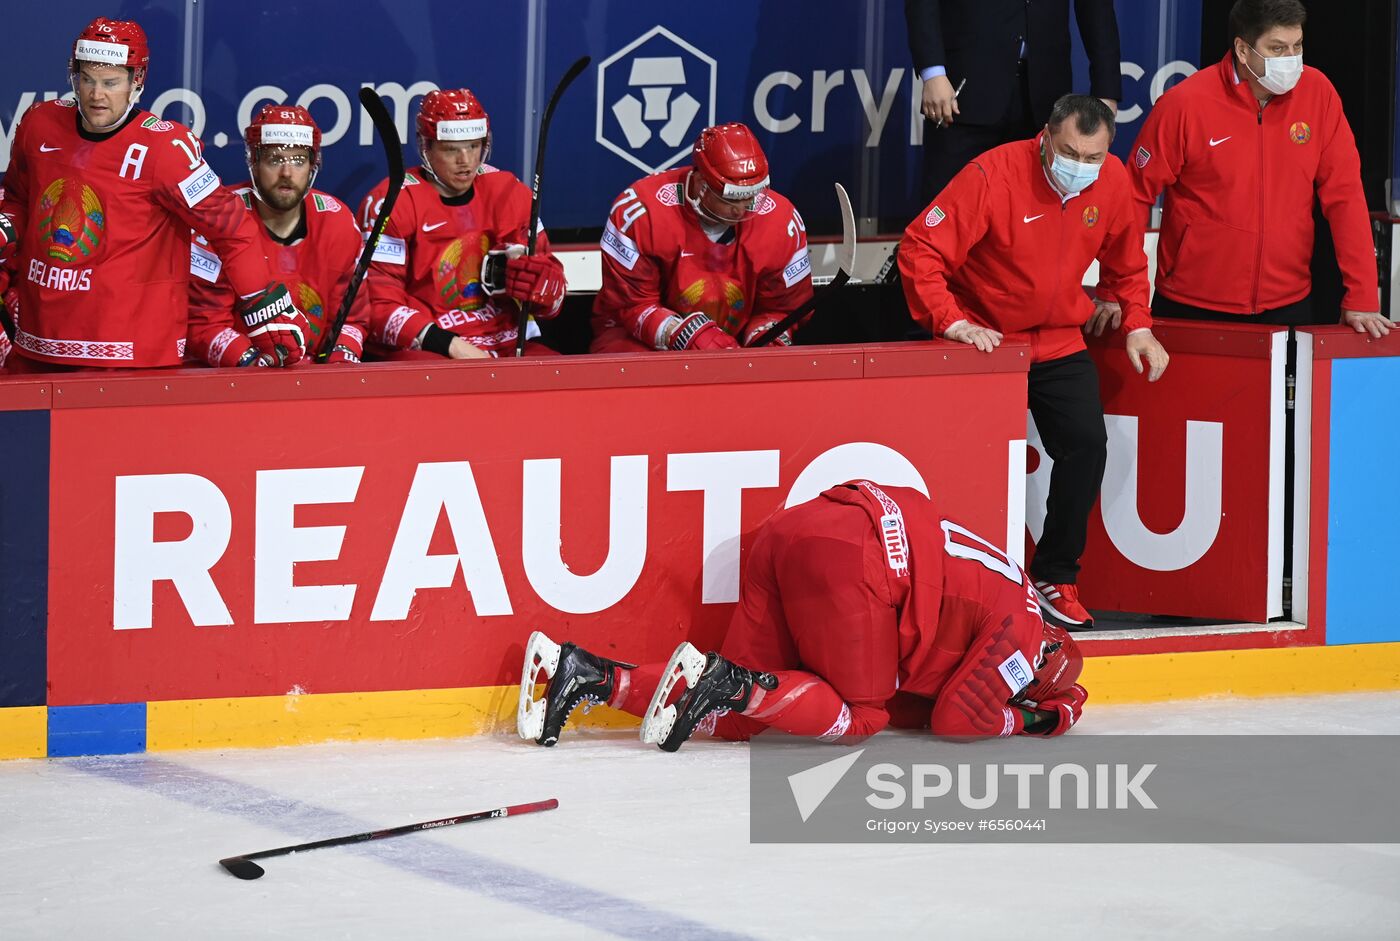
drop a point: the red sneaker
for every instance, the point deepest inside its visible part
(1061, 605)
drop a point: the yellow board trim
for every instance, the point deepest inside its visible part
(1281, 671)
(260, 721)
(24, 732)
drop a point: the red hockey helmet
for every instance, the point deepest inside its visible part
(730, 164)
(113, 42)
(1056, 669)
(452, 114)
(283, 126)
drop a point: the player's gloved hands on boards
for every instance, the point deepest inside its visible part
(1065, 707)
(759, 328)
(349, 346)
(984, 338)
(535, 279)
(699, 333)
(1142, 343)
(1107, 315)
(275, 325)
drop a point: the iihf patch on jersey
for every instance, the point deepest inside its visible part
(390, 250)
(620, 247)
(204, 263)
(934, 216)
(798, 268)
(1141, 157)
(199, 184)
(1016, 671)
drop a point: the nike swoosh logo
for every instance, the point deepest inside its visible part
(1032, 218)
(1214, 142)
(436, 225)
(46, 149)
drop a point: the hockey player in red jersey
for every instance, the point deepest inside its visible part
(102, 196)
(704, 257)
(309, 238)
(450, 271)
(859, 609)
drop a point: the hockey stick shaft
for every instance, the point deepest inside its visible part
(244, 868)
(847, 265)
(532, 234)
(393, 152)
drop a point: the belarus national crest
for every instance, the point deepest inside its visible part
(310, 304)
(71, 221)
(457, 276)
(1300, 132)
(1091, 216)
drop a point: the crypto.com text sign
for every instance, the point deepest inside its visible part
(409, 541)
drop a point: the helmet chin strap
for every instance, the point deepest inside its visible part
(707, 218)
(130, 101)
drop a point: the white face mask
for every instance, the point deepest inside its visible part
(1281, 73)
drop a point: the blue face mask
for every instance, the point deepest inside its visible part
(1073, 176)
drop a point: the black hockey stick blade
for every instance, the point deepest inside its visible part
(846, 262)
(244, 868)
(393, 154)
(532, 234)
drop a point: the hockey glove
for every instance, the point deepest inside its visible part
(349, 346)
(758, 327)
(275, 325)
(7, 234)
(537, 280)
(1057, 715)
(699, 333)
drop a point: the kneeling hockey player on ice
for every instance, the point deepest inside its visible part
(859, 609)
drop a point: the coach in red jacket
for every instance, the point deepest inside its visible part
(1002, 252)
(1240, 149)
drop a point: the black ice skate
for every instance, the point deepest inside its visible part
(572, 675)
(714, 685)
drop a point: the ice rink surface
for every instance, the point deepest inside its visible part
(643, 845)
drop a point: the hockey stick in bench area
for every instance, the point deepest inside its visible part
(846, 260)
(244, 868)
(393, 153)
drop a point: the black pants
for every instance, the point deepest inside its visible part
(1297, 314)
(1064, 400)
(949, 148)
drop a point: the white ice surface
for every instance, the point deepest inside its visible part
(644, 845)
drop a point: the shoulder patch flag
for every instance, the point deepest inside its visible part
(1141, 157)
(934, 216)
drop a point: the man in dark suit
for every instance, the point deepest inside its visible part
(1012, 61)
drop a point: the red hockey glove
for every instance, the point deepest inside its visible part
(4, 348)
(275, 325)
(349, 346)
(758, 327)
(1066, 707)
(7, 233)
(699, 333)
(536, 280)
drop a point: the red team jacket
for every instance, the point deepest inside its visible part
(104, 226)
(427, 266)
(316, 270)
(1000, 248)
(657, 260)
(969, 626)
(1237, 221)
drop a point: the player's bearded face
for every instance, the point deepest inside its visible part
(455, 164)
(104, 92)
(283, 175)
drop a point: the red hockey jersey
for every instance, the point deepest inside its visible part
(104, 236)
(427, 266)
(1000, 248)
(969, 625)
(316, 270)
(658, 261)
(1237, 221)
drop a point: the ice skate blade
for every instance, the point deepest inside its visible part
(541, 656)
(686, 663)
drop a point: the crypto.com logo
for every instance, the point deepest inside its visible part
(660, 85)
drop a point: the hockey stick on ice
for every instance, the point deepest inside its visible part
(846, 260)
(244, 868)
(393, 152)
(522, 318)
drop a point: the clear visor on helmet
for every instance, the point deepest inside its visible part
(726, 206)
